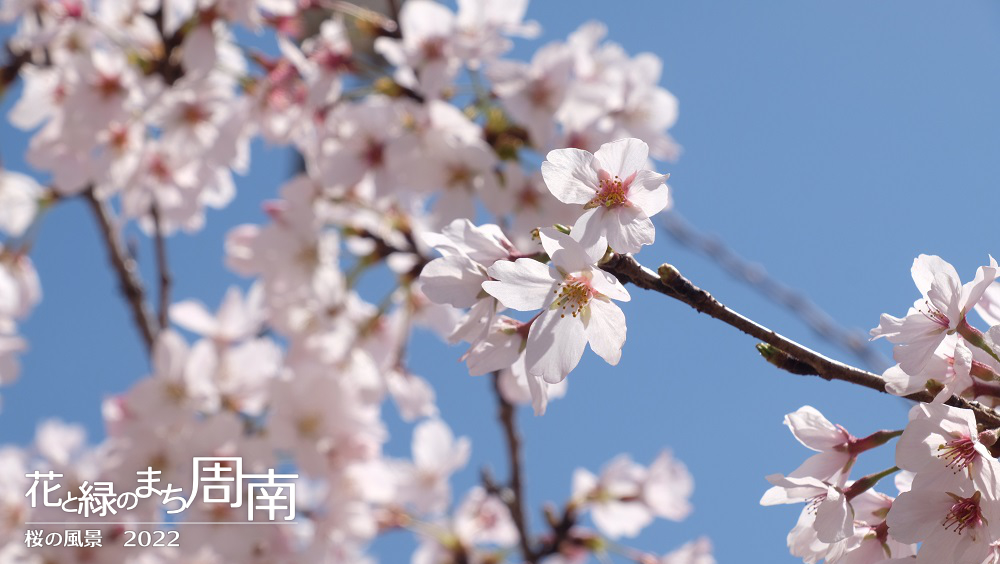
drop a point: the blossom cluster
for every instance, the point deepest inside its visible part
(948, 482)
(409, 126)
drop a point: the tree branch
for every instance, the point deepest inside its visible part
(130, 283)
(802, 360)
(513, 496)
(162, 267)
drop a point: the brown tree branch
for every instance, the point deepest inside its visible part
(513, 495)
(802, 360)
(130, 283)
(162, 267)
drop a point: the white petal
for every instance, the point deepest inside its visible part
(834, 518)
(608, 285)
(524, 284)
(622, 157)
(924, 269)
(555, 345)
(649, 193)
(570, 175)
(606, 330)
(634, 230)
(589, 231)
(453, 280)
(566, 253)
(813, 430)
(193, 316)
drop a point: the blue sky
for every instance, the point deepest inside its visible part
(830, 142)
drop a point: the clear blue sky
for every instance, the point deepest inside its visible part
(831, 142)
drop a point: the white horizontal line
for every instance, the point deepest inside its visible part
(95, 523)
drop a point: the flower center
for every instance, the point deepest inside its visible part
(611, 192)
(933, 313)
(573, 295)
(964, 513)
(814, 502)
(958, 453)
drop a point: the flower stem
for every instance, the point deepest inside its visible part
(867, 482)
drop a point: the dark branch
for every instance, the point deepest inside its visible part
(130, 283)
(756, 277)
(513, 496)
(162, 267)
(802, 360)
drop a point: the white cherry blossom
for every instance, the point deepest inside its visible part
(575, 297)
(618, 196)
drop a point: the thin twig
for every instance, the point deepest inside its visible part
(130, 283)
(671, 283)
(755, 276)
(162, 267)
(514, 498)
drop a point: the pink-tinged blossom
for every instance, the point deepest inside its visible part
(575, 297)
(456, 278)
(324, 58)
(324, 419)
(11, 346)
(871, 543)
(942, 309)
(989, 306)
(952, 519)
(627, 496)
(237, 318)
(950, 367)
(482, 518)
(698, 551)
(425, 58)
(527, 204)
(833, 512)
(20, 288)
(533, 93)
(941, 439)
(482, 25)
(618, 196)
(20, 196)
(364, 140)
(831, 442)
(437, 454)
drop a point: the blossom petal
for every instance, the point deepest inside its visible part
(570, 175)
(924, 269)
(608, 285)
(589, 231)
(555, 345)
(649, 193)
(453, 280)
(813, 430)
(606, 330)
(523, 284)
(567, 254)
(634, 230)
(622, 157)
(835, 520)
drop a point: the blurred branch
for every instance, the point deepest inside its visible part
(802, 360)
(130, 283)
(513, 495)
(162, 266)
(562, 527)
(755, 276)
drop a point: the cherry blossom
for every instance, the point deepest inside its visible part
(940, 439)
(576, 302)
(627, 496)
(941, 311)
(618, 196)
(952, 519)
